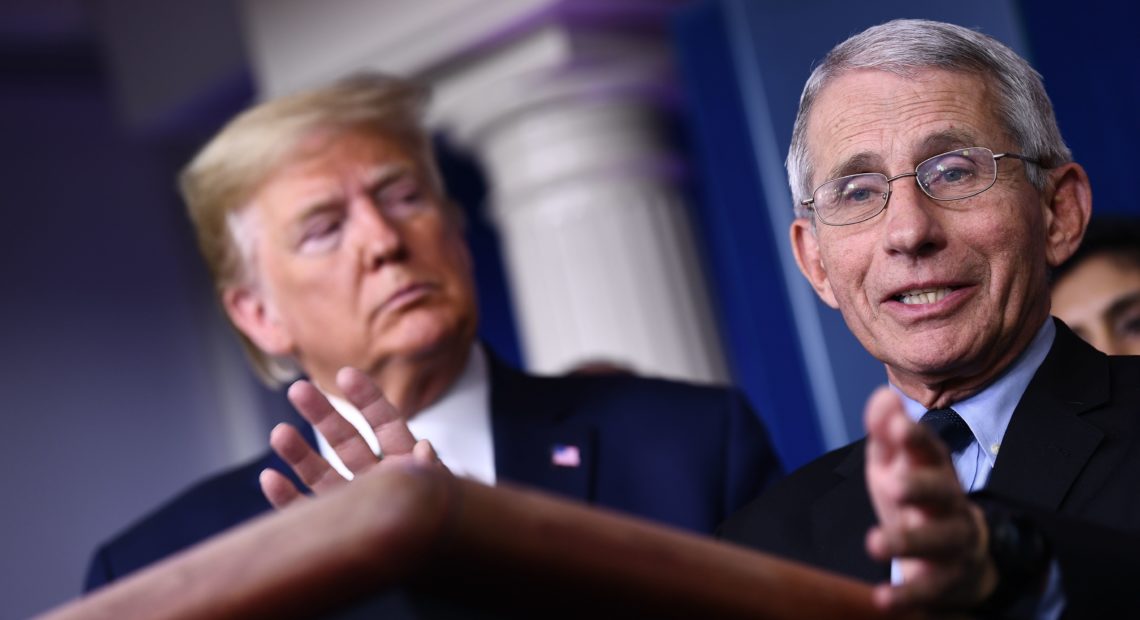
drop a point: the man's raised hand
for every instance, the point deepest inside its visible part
(925, 519)
(397, 445)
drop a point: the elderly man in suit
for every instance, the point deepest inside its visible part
(934, 194)
(324, 222)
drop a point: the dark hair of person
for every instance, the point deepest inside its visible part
(1115, 236)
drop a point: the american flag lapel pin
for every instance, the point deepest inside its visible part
(565, 455)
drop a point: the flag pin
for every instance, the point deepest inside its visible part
(562, 455)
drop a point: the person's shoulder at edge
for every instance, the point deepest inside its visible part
(206, 508)
(664, 408)
(707, 437)
(767, 520)
(593, 392)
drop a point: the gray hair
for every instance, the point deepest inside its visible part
(906, 46)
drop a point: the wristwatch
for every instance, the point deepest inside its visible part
(1021, 554)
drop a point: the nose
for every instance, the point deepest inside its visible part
(380, 239)
(912, 224)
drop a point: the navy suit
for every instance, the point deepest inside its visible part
(1070, 460)
(675, 453)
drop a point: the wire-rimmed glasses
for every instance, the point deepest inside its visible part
(955, 175)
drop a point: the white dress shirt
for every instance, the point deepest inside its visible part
(458, 425)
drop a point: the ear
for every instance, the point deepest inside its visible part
(1067, 211)
(254, 315)
(805, 246)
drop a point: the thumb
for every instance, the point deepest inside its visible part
(883, 405)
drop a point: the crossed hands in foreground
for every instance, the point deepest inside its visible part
(925, 518)
(397, 445)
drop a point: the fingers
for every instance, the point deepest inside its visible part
(883, 406)
(279, 490)
(917, 535)
(920, 444)
(946, 590)
(891, 432)
(309, 466)
(906, 596)
(390, 427)
(935, 491)
(423, 453)
(942, 552)
(340, 433)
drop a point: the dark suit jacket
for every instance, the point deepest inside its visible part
(1070, 458)
(680, 454)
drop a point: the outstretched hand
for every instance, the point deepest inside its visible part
(924, 517)
(397, 445)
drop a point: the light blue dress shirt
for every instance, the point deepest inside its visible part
(987, 413)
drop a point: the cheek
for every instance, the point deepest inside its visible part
(309, 286)
(1016, 251)
(458, 255)
(445, 249)
(847, 263)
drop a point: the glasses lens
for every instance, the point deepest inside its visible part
(958, 174)
(851, 199)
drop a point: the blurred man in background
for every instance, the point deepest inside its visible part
(1097, 291)
(331, 243)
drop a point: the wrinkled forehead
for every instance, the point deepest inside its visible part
(876, 121)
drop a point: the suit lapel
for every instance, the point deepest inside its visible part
(841, 518)
(1045, 448)
(1047, 443)
(536, 443)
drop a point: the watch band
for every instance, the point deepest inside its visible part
(1021, 554)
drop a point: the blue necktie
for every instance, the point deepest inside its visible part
(950, 426)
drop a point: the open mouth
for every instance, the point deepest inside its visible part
(923, 296)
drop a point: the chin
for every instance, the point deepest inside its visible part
(941, 361)
(926, 354)
(425, 336)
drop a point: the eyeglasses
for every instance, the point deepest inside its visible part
(950, 176)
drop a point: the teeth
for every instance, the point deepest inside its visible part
(925, 296)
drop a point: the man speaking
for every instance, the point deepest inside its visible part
(934, 194)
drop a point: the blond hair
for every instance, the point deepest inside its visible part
(219, 182)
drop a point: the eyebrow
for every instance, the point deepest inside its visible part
(946, 141)
(859, 162)
(931, 145)
(384, 176)
(378, 178)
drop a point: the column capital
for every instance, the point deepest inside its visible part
(297, 44)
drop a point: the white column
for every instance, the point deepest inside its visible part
(597, 239)
(568, 106)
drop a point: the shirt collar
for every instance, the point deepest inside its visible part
(458, 424)
(988, 412)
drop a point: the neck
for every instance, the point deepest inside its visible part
(411, 385)
(939, 390)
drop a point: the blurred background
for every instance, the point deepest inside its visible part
(620, 161)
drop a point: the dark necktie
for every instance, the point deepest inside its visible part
(950, 426)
